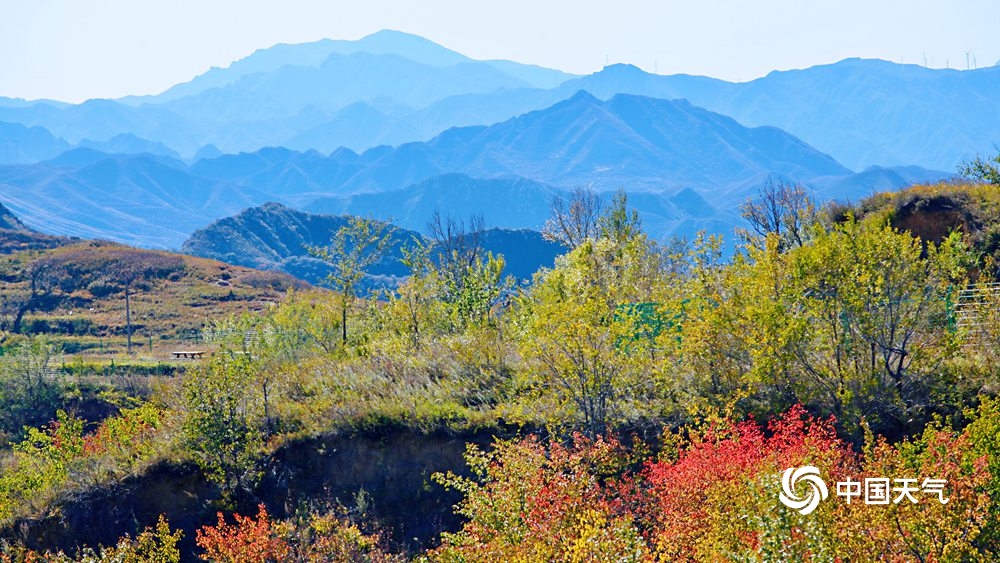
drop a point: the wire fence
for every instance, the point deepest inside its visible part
(972, 303)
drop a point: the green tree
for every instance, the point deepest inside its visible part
(476, 290)
(704, 357)
(223, 419)
(581, 332)
(571, 345)
(471, 279)
(30, 385)
(985, 170)
(855, 322)
(416, 307)
(619, 222)
(354, 248)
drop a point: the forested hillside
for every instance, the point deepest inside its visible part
(274, 237)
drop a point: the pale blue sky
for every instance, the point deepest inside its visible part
(76, 49)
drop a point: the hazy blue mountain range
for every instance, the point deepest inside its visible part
(631, 142)
(24, 145)
(686, 168)
(392, 88)
(861, 112)
(386, 42)
(275, 95)
(873, 179)
(142, 200)
(127, 143)
(19, 143)
(274, 237)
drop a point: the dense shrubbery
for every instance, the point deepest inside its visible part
(63, 457)
(849, 339)
(310, 538)
(708, 494)
(153, 545)
(712, 495)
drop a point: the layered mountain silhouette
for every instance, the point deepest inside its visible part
(861, 112)
(397, 127)
(686, 167)
(393, 88)
(628, 142)
(277, 94)
(142, 200)
(25, 145)
(314, 54)
(19, 143)
(274, 237)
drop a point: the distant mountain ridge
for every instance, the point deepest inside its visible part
(630, 142)
(394, 88)
(27, 145)
(862, 112)
(686, 167)
(385, 42)
(21, 144)
(273, 95)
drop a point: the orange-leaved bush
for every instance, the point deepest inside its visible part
(538, 503)
(714, 496)
(316, 538)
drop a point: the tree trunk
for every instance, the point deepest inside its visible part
(343, 318)
(128, 320)
(18, 319)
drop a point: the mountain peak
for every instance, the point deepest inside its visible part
(393, 35)
(407, 45)
(622, 68)
(583, 96)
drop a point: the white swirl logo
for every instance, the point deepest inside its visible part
(808, 474)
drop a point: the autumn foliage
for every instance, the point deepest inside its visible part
(538, 503)
(314, 538)
(713, 496)
(248, 540)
